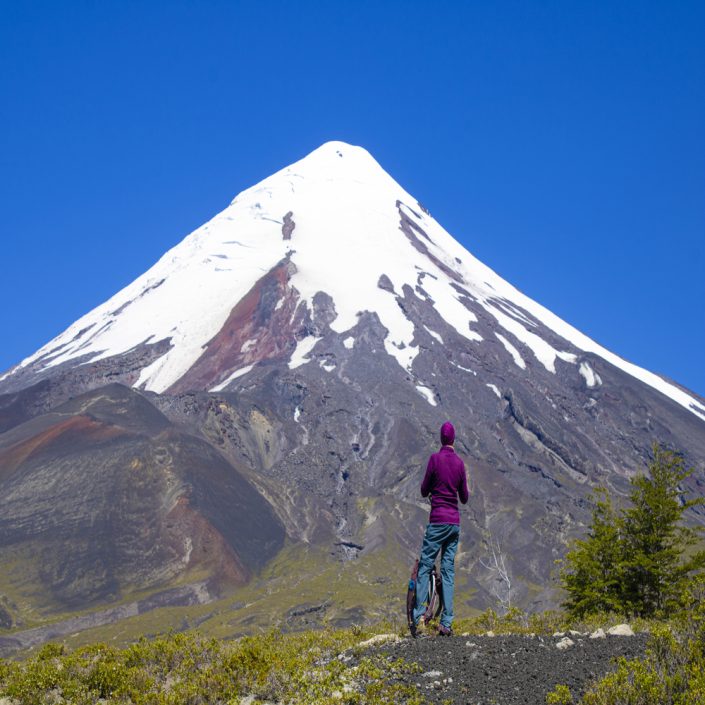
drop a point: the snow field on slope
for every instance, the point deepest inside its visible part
(191, 305)
(238, 373)
(485, 284)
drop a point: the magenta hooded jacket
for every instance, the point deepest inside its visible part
(445, 480)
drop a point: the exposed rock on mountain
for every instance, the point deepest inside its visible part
(103, 496)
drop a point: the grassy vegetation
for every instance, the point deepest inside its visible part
(31, 603)
(20, 582)
(370, 590)
(673, 672)
(184, 669)
(329, 666)
(543, 623)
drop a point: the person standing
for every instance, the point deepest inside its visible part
(445, 481)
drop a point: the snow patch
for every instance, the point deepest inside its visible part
(592, 379)
(404, 354)
(544, 353)
(148, 371)
(303, 348)
(327, 365)
(349, 342)
(427, 394)
(518, 359)
(494, 389)
(450, 308)
(247, 345)
(513, 311)
(464, 369)
(297, 414)
(234, 375)
(433, 334)
(698, 410)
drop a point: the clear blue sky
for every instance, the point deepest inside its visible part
(563, 143)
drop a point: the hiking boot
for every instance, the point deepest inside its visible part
(444, 631)
(412, 629)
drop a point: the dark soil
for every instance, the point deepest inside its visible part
(508, 670)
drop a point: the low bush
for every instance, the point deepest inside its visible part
(673, 671)
(513, 621)
(560, 695)
(188, 669)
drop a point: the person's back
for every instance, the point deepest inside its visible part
(445, 481)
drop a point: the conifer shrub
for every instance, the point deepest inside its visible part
(636, 561)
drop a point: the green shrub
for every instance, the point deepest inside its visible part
(187, 669)
(560, 695)
(673, 671)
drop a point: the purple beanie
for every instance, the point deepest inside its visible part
(447, 434)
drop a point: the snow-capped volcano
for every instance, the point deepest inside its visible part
(278, 379)
(342, 224)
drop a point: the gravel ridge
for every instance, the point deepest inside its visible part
(508, 669)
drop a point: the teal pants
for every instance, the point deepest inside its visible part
(443, 538)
